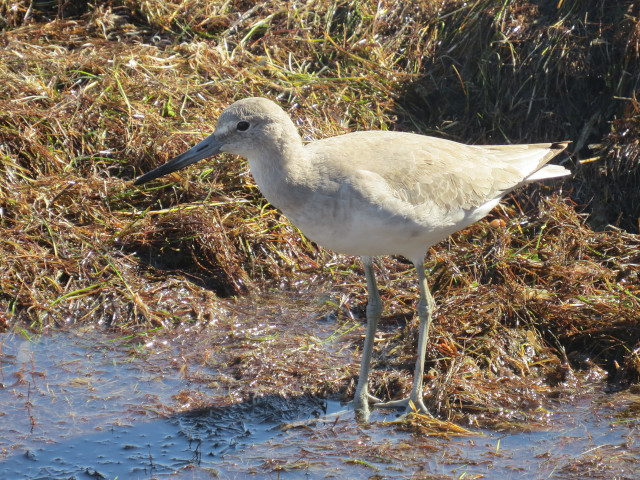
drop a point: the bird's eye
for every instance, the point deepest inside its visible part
(242, 126)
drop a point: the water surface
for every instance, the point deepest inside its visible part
(81, 405)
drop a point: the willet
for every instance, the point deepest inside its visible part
(372, 193)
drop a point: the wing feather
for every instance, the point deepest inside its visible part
(428, 172)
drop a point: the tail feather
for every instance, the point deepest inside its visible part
(548, 171)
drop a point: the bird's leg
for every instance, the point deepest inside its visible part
(425, 309)
(374, 312)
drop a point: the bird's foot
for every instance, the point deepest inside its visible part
(409, 404)
(373, 399)
(361, 402)
(360, 405)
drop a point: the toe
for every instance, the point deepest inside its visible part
(372, 399)
(402, 403)
(408, 404)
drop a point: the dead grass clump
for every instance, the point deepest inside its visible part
(616, 164)
(14, 13)
(230, 247)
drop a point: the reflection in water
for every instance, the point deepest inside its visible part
(82, 406)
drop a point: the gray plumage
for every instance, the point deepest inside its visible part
(372, 193)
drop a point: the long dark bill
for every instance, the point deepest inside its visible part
(206, 148)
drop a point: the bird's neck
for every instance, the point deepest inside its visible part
(275, 167)
(280, 172)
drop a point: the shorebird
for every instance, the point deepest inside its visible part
(372, 193)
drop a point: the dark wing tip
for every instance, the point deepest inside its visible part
(560, 146)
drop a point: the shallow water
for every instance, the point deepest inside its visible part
(79, 405)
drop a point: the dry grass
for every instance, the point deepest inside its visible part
(90, 96)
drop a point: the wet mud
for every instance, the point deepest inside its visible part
(88, 405)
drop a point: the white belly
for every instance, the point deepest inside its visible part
(363, 232)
